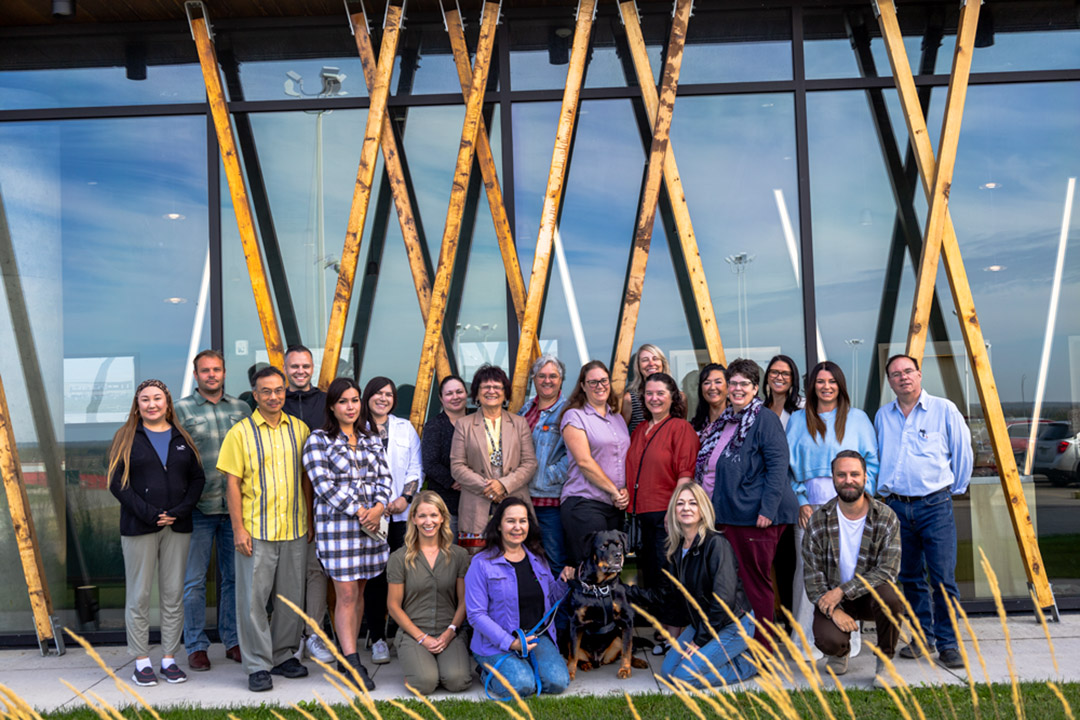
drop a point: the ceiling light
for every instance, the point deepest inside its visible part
(173, 216)
(176, 300)
(993, 268)
(990, 186)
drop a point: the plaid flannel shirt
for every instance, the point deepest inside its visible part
(879, 552)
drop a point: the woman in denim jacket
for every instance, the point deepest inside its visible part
(509, 587)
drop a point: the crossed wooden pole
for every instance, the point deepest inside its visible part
(940, 242)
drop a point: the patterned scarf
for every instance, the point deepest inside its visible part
(712, 432)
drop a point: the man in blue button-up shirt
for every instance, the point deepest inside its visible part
(925, 449)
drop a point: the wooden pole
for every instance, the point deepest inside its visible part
(969, 322)
(23, 523)
(486, 161)
(474, 106)
(215, 96)
(942, 183)
(654, 175)
(673, 181)
(365, 174)
(396, 172)
(549, 216)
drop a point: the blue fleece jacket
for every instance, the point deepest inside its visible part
(812, 457)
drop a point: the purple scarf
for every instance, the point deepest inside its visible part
(710, 435)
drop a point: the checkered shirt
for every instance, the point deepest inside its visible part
(345, 480)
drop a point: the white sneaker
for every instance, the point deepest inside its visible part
(839, 665)
(380, 653)
(316, 649)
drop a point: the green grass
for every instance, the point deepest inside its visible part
(1039, 704)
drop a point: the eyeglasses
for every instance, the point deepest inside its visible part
(780, 374)
(594, 384)
(901, 373)
(270, 392)
(741, 384)
(489, 387)
(548, 376)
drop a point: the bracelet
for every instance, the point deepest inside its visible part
(453, 627)
(420, 640)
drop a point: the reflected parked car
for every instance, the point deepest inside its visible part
(1056, 450)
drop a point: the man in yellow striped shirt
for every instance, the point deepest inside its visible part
(269, 500)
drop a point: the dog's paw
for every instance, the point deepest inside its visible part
(638, 663)
(624, 672)
(584, 665)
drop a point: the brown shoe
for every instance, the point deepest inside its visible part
(198, 661)
(233, 653)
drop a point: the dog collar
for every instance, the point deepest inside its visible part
(597, 590)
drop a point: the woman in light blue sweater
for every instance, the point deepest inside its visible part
(815, 434)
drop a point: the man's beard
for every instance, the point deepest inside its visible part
(849, 493)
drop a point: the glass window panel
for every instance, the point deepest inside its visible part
(109, 228)
(425, 63)
(1011, 36)
(102, 70)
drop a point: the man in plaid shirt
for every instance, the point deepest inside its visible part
(848, 539)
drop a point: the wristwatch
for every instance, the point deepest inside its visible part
(408, 498)
(453, 627)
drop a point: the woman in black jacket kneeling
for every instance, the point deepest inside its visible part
(706, 566)
(155, 473)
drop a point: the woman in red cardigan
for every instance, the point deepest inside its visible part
(663, 452)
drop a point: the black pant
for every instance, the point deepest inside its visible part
(581, 516)
(652, 559)
(833, 641)
(376, 588)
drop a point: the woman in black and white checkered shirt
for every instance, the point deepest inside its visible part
(348, 470)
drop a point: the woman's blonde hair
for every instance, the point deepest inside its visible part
(637, 380)
(120, 450)
(412, 535)
(675, 536)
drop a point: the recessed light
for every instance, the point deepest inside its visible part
(176, 300)
(993, 268)
(990, 186)
(173, 216)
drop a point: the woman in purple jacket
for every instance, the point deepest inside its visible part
(509, 587)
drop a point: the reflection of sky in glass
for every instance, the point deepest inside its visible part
(97, 86)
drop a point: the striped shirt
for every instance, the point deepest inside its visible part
(267, 461)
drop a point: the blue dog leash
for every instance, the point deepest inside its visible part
(522, 636)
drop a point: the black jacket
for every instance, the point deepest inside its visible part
(435, 450)
(308, 405)
(153, 489)
(709, 568)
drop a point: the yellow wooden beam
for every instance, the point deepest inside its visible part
(474, 106)
(965, 307)
(23, 523)
(486, 160)
(673, 181)
(549, 216)
(942, 183)
(398, 188)
(654, 175)
(365, 174)
(230, 157)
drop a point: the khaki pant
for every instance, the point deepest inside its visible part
(315, 595)
(451, 668)
(163, 554)
(274, 568)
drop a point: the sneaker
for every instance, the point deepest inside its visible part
(317, 650)
(880, 675)
(354, 660)
(291, 669)
(145, 677)
(912, 651)
(260, 681)
(198, 661)
(950, 658)
(233, 654)
(661, 648)
(838, 664)
(174, 674)
(380, 652)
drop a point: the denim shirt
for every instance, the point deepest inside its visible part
(551, 457)
(491, 600)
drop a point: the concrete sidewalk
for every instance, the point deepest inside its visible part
(38, 680)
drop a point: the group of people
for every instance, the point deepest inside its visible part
(308, 485)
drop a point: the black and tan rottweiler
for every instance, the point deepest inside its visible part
(601, 619)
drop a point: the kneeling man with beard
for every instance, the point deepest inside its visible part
(851, 535)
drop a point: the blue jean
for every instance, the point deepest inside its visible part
(928, 547)
(205, 531)
(551, 535)
(726, 656)
(554, 677)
